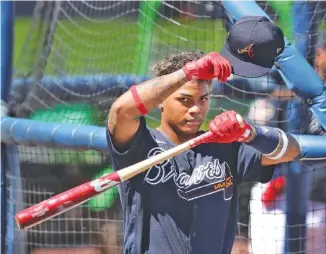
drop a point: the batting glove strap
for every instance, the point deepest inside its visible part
(246, 133)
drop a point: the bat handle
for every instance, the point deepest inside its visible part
(203, 138)
(247, 128)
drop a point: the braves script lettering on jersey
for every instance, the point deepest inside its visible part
(187, 204)
(217, 177)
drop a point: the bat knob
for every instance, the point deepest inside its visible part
(240, 120)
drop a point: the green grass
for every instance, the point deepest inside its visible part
(108, 46)
(21, 30)
(82, 46)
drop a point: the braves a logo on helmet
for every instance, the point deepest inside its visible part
(249, 50)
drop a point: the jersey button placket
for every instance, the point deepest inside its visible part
(195, 213)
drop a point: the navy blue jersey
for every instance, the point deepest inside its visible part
(187, 204)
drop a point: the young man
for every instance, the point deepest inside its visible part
(188, 204)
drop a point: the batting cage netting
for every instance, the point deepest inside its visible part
(72, 59)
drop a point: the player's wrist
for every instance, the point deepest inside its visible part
(248, 132)
(190, 71)
(181, 75)
(271, 142)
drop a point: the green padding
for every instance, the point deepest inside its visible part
(79, 114)
(106, 199)
(75, 114)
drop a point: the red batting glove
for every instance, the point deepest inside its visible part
(274, 189)
(229, 127)
(209, 67)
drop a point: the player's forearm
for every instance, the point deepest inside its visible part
(275, 145)
(151, 94)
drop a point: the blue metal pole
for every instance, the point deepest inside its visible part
(85, 137)
(296, 203)
(7, 35)
(305, 28)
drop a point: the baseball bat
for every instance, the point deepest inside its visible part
(71, 198)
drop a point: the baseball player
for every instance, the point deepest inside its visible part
(188, 204)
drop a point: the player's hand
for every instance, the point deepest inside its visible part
(209, 67)
(229, 127)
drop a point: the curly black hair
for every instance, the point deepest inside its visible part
(175, 62)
